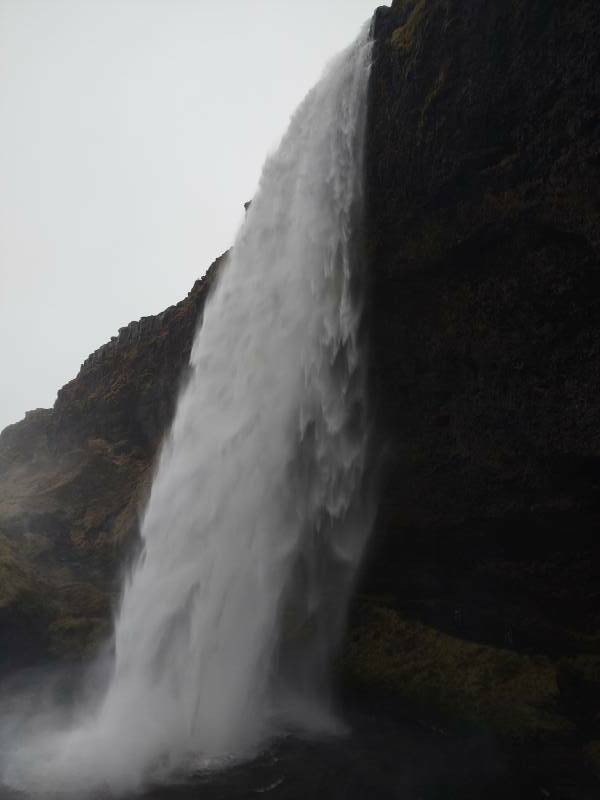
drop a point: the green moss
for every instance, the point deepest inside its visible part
(403, 38)
(83, 620)
(16, 578)
(76, 637)
(439, 676)
(83, 600)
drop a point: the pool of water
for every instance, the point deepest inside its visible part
(382, 756)
(379, 757)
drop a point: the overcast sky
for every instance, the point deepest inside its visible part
(131, 133)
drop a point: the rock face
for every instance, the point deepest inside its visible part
(73, 479)
(480, 598)
(484, 228)
(484, 239)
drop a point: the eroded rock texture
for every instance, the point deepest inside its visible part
(73, 480)
(484, 194)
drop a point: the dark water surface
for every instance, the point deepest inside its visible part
(385, 758)
(379, 758)
(382, 757)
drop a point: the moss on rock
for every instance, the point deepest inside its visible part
(404, 36)
(436, 675)
(77, 637)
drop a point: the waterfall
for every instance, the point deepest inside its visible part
(258, 515)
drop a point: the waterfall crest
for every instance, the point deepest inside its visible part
(257, 516)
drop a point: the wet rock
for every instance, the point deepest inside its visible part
(452, 682)
(483, 176)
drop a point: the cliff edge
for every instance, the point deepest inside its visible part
(73, 480)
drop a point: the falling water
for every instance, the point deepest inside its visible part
(257, 517)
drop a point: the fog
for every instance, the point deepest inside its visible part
(131, 133)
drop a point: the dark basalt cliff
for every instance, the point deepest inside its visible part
(484, 190)
(480, 600)
(484, 244)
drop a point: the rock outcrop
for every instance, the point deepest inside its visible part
(484, 228)
(73, 480)
(484, 241)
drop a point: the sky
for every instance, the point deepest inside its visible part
(131, 134)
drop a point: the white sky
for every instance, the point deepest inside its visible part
(131, 133)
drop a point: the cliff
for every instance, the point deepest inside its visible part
(479, 602)
(73, 478)
(484, 190)
(484, 234)
(484, 196)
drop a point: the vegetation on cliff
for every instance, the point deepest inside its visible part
(73, 481)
